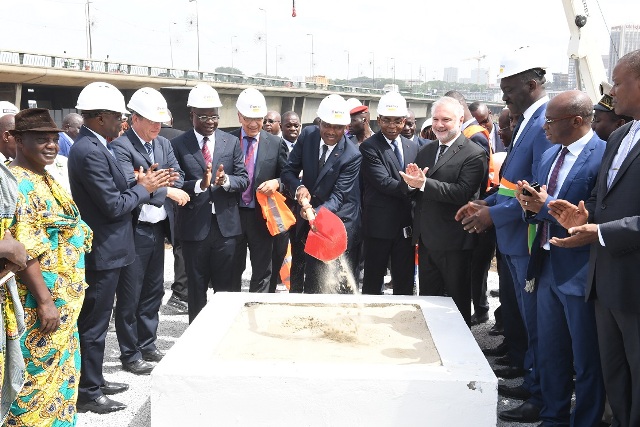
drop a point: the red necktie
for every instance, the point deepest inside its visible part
(247, 195)
(205, 151)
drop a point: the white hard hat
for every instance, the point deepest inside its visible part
(150, 104)
(203, 96)
(334, 110)
(101, 96)
(521, 60)
(392, 104)
(426, 124)
(8, 108)
(251, 103)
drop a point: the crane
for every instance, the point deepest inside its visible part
(583, 48)
(477, 58)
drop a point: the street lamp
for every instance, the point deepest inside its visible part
(373, 69)
(266, 54)
(171, 42)
(309, 34)
(347, 66)
(232, 50)
(277, 57)
(394, 70)
(89, 46)
(197, 31)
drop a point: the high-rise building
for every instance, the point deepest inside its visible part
(450, 75)
(480, 76)
(624, 39)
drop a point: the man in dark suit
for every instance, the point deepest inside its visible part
(178, 299)
(141, 286)
(386, 209)
(106, 200)
(522, 84)
(330, 163)
(609, 222)
(264, 158)
(567, 338)
(448, 173)
(209, 223)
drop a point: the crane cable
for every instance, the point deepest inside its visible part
(615, 48)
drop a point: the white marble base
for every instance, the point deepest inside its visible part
(193, 386)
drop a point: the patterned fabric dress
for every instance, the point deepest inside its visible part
(48, 223)
(11, 314)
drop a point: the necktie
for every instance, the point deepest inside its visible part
(323, 156)
(551, 189)
(396, 150)
(625, 148)
(205, 151)
(515, 132)
(247, 195)
(149, 148)
(441, 151)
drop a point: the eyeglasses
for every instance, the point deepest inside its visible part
(547, 120)
(387, 121)
(205, 119)
(270, 121)
(504, 129)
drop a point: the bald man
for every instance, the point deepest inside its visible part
(71, 124)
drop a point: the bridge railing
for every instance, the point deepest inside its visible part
(80, 64)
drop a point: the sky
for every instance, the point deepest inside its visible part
(416, 39)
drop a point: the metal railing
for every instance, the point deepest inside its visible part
(88, 65)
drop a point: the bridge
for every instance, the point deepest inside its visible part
(54, 82)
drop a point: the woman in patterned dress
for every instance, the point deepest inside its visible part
(52, 286)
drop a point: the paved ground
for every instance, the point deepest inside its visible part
(171, 328)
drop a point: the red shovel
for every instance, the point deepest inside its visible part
(327, 238)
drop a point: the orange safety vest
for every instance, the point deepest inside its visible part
(276, 212)
(285, 270)
(469, 131)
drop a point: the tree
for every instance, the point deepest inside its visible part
(228, 70)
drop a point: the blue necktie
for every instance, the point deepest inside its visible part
(396, 151)
(149, 148)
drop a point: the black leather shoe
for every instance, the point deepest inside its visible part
(494, 293)
(138, 367)
(496, 330)
(500, 350)
(517, 392)
(178, 305)
(477, 319)
(525, 413)
(502, 361)
(153, 356)
(101, 405)
(508, 372)
(113, 388)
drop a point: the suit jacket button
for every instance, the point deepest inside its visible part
(603, 206)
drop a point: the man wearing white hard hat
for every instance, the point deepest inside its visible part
(215, 177)
(106, 201)
(141, 286)
(386, 208)
(330, 163)
(265, 155)
(522, 83)
(7, 123)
